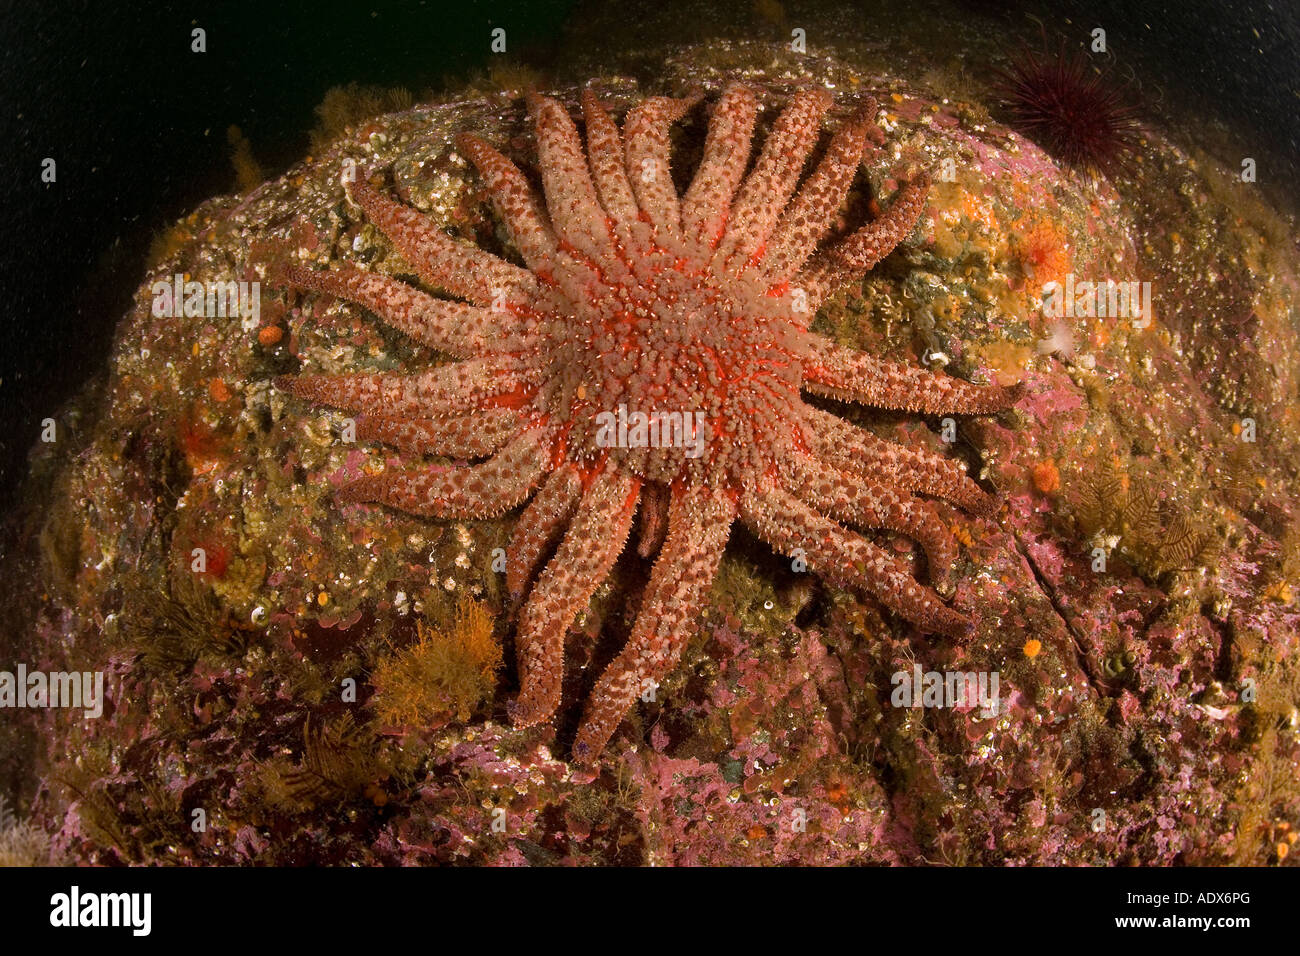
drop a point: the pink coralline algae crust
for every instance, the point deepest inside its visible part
(1135, 593)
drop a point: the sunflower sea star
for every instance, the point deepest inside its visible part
(634, 297)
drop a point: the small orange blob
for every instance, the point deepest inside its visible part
(323, 598)
(1032, 648)
(1047, 477)
(198, 440)
(1041, 249)
(757, 832)
(1282, 850)
(270, 334)
(219, 391)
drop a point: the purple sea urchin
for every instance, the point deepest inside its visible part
(1072, 111)
(689, 311)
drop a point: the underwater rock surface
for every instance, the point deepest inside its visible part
(324, 684)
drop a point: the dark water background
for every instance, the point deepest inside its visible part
(137, 125)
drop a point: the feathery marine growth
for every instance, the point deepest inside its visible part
(634, 297)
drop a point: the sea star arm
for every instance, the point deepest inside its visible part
(452, 327)
(539, 527)
(855, 256)
(862, 251)
(853, 376)
(468, 491)
(764, 193)
(871, 504)
(606, 159)
(445, 390)
(463, 270)
(806, 220)
(786, 523)
(645, 133)
(583, 560)
(474, 435)
(575, 210)
(707, 203)
(699, 523)
(857, 451)
(516, 202)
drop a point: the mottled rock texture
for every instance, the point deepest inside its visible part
(1135, 594)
